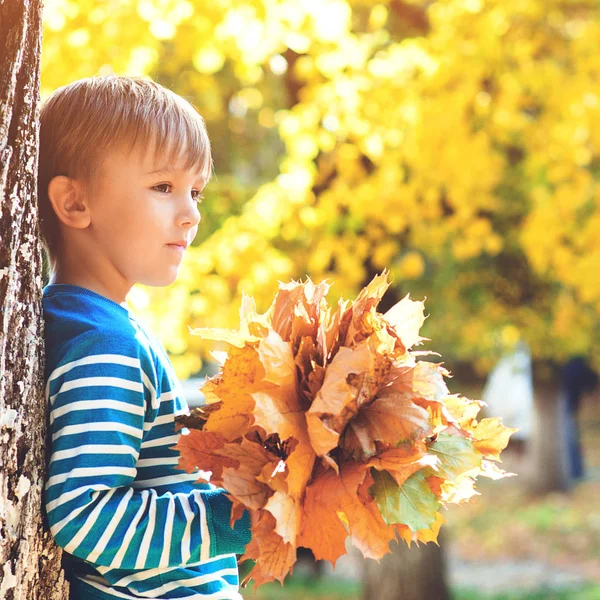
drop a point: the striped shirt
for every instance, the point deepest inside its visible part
(132, 524)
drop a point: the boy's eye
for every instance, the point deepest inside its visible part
(197, 196)
(165, 188)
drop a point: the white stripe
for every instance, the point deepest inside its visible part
(74, 494)
(230, 594)
(108, 533)
(154, 402)
(95, 359)
(186, 540)
(169, 440)
(145, 545)
(117, 382)
(57, 527)
(166, 553)
(205, 542)
(192, 582)
(157, 462)
(150, 573)
(94, 449)
(144, 574)
(159, 421)
(170, 395)
(166, 480)
(119, 405)
(116, 561)
(89, 522)
(88, 427)
(91, 472)
(107, 590)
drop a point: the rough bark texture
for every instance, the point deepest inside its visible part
(29, 562)
(415, 573)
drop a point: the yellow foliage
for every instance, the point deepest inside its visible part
(465, 140)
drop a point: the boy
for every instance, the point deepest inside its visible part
(123, 162)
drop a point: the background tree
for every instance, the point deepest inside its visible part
(30, 563)
(452, 142)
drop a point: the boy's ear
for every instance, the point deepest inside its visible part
(69, 202)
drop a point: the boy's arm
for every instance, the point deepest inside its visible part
(98, 405)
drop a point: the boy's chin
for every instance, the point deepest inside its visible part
(162, 280)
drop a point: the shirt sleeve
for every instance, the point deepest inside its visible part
(99, 396)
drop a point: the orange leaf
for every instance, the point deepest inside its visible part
(407, 317)
(336, 402)
(364, 316)
(286, 511)
(198, 450)
(435, 484)
(300, 466)
(321, 529)
(243, 485)
(330, 495)
(491, 437)
(242, 374)
(403, 461)
(431, 534)
(274, 557)
(391, 419)
(278, 408)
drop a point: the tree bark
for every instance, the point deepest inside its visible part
(415, 573)
(30, 566)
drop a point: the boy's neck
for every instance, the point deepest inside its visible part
(90, 284)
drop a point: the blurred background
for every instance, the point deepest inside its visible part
(455, 143)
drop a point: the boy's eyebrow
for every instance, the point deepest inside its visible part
(164, 170)
(161, 170)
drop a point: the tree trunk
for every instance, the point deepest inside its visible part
(29, 561)
(549, 467)
(415, 573)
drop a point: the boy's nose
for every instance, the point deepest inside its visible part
(191, 213)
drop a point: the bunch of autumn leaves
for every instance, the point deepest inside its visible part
(324, 425)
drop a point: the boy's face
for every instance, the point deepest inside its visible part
(140, 206)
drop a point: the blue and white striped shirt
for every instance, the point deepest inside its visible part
(132, 523)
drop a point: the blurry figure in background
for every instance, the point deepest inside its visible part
(577, 378)
(508, 393)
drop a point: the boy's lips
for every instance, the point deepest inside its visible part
(179, 247)
(181, 243)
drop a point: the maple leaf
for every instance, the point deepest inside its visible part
(461, 489)
(364, 319)
(336, 402)
(491, 437)
(274, 557)
(323, 425)
(391, 419)
(462, 410)
(242, 479)
(403, 461)
(232, 387)
(278, 408)
(413, 503)
(197, 450)
(423, 379)
(407, 318)
(456, 455)
(333, 503)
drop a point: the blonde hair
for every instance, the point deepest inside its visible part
(82, 121)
